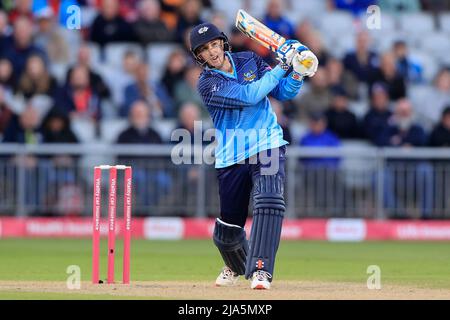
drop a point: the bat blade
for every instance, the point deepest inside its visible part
(263, 35)
(258, 31)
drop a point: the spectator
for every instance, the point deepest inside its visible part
(388, 75)
(220, 20)
(189, 16)
(50, 37)
(356, 7)
(377, 117)
(361, 62)
(319, 136)
(174, 71)
(139, 130)
(303, 30)
(282, 120)
(415, 176)
(399, 6)
(169, 12)
(22, 8)
(22, 46)
(340, 120)
(149, 27)
(4, 23)
(144, 89)
(84, 59)
(129, 9)
(5, 113)
(80, 98)
(314, 41)
(435, 6)
(317, 97)
(186, 90)
(275, 20)
(408, 69)
(3, 32)
(327, 168)
(339, 77)
(64, 195)
(130, 63)
(7, 79)
(188, 114)
(36, 80)
(238, 41)
(440, 136)
(118, 78)
(152, 183)
(436, 99)
(189, 173)
(109, 26)
(56, 128)
(24, 128)
(402, 130)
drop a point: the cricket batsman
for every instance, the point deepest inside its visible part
(235, 89)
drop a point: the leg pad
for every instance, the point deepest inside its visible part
(232, 244)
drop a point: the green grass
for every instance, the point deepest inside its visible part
(421, 264)
(8, 295)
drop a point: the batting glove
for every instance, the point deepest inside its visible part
(306, 63)
(286, 53)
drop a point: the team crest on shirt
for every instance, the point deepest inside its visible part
(249, 76)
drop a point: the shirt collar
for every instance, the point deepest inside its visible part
(227, 74)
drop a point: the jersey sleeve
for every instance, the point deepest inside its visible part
(287, 88)
(218, 92)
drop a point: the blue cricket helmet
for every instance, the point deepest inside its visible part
(204, 33)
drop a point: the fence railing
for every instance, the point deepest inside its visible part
(321, 182)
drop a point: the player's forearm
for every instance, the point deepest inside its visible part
(288, 87)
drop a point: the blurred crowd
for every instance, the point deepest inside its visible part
(364, 92)
(129, 60)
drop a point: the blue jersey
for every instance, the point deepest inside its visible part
(240, 109)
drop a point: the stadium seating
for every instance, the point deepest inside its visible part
(357, 171)
(308, 7)
(114, 52)
(417, 23)
(359, 108)
(88, 14)
(59, 70)
(257, 8)
(417, 94)
(111, 128)
(436, 44)
(96, 57)
(84, 129)
(298, 130)
(229, 7)
(428, 61)
(116, 80)
(336, 23)
(444, 22)
(165, 128)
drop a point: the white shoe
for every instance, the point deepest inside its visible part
(227, 278)
(260, 280)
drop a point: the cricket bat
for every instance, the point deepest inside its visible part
(260, 33)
